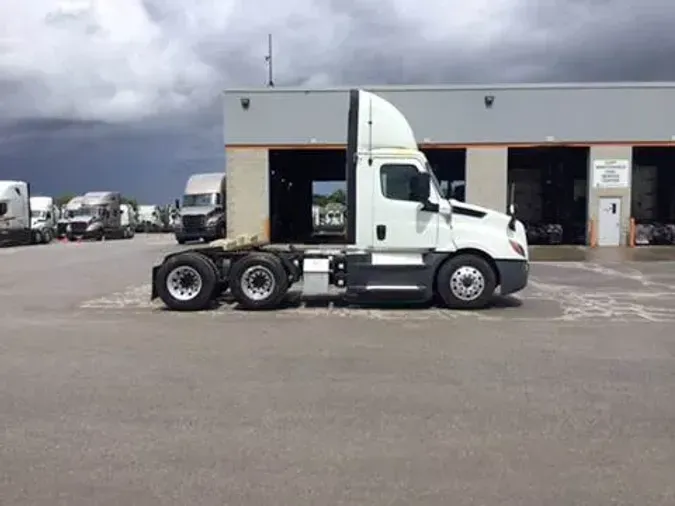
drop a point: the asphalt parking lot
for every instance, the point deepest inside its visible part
(563, 395)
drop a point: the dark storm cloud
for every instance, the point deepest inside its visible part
(131, 87)
(133, 59)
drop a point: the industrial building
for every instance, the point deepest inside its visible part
(586, 163)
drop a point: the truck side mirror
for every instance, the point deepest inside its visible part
(420, 187)
(177, 202)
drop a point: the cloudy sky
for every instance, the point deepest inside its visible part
(123, 94)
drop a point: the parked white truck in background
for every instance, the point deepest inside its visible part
(15, 216)
(404, 240)
(43, 219)
(202, 215)
(127, 221)
(67, 214)
(149, 219)
(98, 218)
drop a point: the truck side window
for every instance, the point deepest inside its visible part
(396, 180)
(3, 208)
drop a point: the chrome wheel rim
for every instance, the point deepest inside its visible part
(184, 283)
(258, 283)
(467, 283)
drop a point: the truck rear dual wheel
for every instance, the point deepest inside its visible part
(466, 282)
(187, 282)
(258, 281)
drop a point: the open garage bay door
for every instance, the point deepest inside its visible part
(653, 195)
(449, 166)
(551, 188)
(307, 196)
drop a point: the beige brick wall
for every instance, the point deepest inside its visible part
(247, 191)
(486, 177)
(610, 153)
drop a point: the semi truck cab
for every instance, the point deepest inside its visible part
(404, 240)
(97, 218)
(202, 214)
(43, 219)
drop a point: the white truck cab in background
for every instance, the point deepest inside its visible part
(68, 213)
(43, 219)
(15, 216)
(97, 218)
(128, 221)
(202, 214)
(404, 240)
(149, 219)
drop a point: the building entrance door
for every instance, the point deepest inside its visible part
(609, 221)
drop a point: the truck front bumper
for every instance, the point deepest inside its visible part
(208, 234)
(513, 275)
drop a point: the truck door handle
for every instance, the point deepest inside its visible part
(381, 231)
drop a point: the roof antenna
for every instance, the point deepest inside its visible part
(268, 59)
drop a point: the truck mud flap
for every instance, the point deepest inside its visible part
(153, 285)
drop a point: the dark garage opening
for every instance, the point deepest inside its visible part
(293, 177)
(449, 166)
(653, 195)
(550, 192)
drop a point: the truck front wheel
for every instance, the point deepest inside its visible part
(187, 282)
(258, 281)
(466, 282)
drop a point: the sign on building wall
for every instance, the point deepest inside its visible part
(611, 173)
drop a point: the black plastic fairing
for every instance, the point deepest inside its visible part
(351, 163)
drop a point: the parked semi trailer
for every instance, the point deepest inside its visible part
(202, 215)
(412, 249)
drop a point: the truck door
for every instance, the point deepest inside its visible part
(399, 222)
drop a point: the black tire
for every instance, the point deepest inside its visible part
(194, 263)
(47, 237)
(180, 241)
(269, 267)
(476, 296)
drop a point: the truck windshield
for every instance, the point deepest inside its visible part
(199, 200)
(38, 214)
(86, 211)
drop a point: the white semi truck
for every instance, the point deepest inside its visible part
(97, 218)
(67, 214)
(128, 221)
(15, 222)
(202, 215)
(43, 219)
(405, 242)
(149, 219)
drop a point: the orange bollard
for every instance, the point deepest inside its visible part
(592, 234)
(631, 233)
